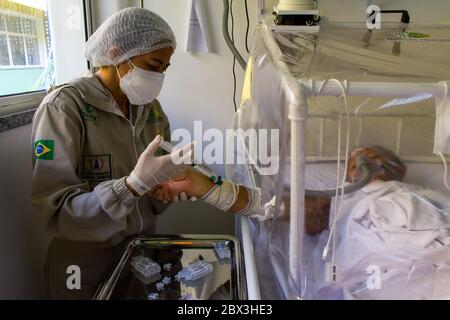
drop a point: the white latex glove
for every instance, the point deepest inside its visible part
(151, 170)
(183, 197)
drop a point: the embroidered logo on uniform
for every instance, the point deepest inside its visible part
(44, 149)
(89, 114)
(97, 169)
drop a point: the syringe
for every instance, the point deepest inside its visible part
(200, 168)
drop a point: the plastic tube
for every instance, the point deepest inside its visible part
(361, 183)
(444, 162)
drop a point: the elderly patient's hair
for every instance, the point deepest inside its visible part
(394, 167)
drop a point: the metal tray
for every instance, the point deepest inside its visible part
(226, 282)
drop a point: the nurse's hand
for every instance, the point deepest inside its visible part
(151, 170)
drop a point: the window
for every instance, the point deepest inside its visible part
(20, 41)
(37, 51)
(25, 47)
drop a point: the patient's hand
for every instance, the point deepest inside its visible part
(190, 182)
(317, 214)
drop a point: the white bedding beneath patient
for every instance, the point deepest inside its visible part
(402, 229)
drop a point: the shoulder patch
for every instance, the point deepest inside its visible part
(44, 149)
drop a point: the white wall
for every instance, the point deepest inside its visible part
(103, 9)
(23, 242)
(199, 87)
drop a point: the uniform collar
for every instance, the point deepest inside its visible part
(94, 93)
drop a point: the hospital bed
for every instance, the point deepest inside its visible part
(327, 93)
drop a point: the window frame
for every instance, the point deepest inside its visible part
(25, 101)
(40, 37)
(11, 104)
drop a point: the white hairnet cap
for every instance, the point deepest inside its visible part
(128, 33)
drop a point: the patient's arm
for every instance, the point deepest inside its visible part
(317, 210)
(196, 185)
(317, 213)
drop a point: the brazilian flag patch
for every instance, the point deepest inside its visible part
(44, 149)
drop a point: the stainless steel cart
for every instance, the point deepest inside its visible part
(225, 282)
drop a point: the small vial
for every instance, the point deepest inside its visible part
(153, 296)
(166, 281)
(144, 266)
(197, 270)
(187, 296)
(167, 267)
(222, 251)
(160, 286)
(178, 276)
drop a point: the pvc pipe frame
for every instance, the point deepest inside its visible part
(253, 289)
(298, 92)
(298, 114)
(374, 89)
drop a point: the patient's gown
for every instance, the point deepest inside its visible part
(399, 229)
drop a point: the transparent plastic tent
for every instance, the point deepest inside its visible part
(328, 94)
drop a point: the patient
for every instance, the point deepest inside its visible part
(385, 166)
(242, 200)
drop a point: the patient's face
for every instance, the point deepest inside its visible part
(380, 161)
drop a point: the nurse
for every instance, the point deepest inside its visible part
(96, 152)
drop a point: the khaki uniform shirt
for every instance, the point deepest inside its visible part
(83, 150)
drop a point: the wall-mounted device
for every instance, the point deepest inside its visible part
(296, 15)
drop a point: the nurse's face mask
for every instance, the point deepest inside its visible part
(141, 86)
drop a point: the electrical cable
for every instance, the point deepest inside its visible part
(234, 57)
(444, 161)
(226, 35)
(248, 26)
(339, 202)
